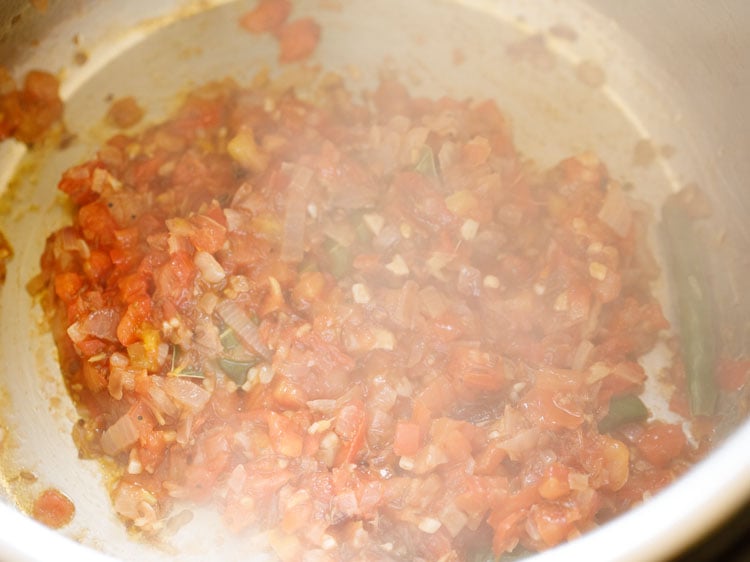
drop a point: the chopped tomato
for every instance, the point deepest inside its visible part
(662, 443)
(268, 15)
(351, 427)
(53, 508)
(125, 112)
(285, 438)
(406, 441)
(733, 374)
(28, 113)
(298, 39)
(67, 285)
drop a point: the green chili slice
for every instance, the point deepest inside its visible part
(426, 163)
(340, 259)
(623, 409)
(692, 294)
(236, 370)
(229, 339)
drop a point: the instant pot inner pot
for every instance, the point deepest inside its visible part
(567, 79)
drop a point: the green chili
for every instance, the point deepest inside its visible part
(236, 370)
(623, 409)
(229, 339)
(340, 259)
(426, 163)
(692, 294)
(190, 374)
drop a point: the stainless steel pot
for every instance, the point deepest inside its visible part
(605, 75)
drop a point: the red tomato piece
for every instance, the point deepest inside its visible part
(268, 15)
(298, 39)
(53, 508)
(661, 443)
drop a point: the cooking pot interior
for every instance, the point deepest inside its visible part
(568, 78)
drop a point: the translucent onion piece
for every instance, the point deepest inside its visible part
(119, 436)
(246, 330)
(293, 239)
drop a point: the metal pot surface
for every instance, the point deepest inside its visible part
(607, 76)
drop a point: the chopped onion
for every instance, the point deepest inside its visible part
(189, 395)
(100, 324)
(398, 266)
(237, 319)
(345, 504)
(469, 281)
(578, 481)
(374, 222)
(210, 269)
(386, 237)
(71, 242)
(237, 479)
(160, 402)
(246, 152)
(520, 443)
(428, 458)
(383, 396)
(402, 304)
(120, 435)
(615, 211)
(243, 199)
(448, 155)
(597, 372)
(324, 405)
(340, 232)
(75, 333)
(380, 429)
(125, 499)
(382, 339)
(120, 378)
(185, 430)
(446, 123)
(429, 525)
(293, 240)
(432, 302)
(582, 355)
(453, 518)
(411, 144)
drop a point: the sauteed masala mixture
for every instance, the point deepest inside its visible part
(365, 325)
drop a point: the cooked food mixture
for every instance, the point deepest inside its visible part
(29, 112)
(364, 325)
